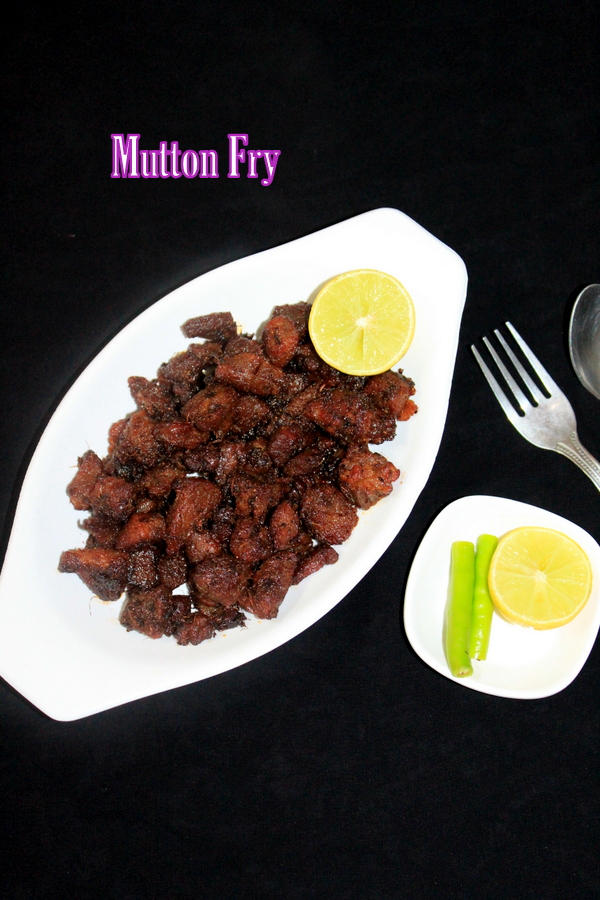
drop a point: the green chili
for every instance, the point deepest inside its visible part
(481, 622)
(459, 608)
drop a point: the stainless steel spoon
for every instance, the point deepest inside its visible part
(584, 338)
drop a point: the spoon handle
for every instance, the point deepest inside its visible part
(576, 452)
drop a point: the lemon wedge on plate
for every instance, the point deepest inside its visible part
(362, 322)
(539, 577)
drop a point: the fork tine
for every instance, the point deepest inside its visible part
(544, 376)
(511, 413)
(523, 401)
(531, 385)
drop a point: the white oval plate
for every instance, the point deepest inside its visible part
(64, 650)
(522, 663)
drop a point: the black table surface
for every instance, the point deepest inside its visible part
(339, 765)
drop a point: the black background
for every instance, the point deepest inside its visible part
(338, 766)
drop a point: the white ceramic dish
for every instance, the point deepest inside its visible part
(521, 663)
(66, 651)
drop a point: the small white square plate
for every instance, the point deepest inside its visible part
(65, 650)
(522, 663)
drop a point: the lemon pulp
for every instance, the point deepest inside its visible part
(539, 577)
(362, 322)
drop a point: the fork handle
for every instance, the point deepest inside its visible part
(577, 453)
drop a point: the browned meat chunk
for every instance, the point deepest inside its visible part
(158, 482)
(392, 391)
(366, 477)
(143, 572)
(289, 439)
(180, 435)
(250, 541)
(249, 414)
(152, 397)
(183, 373)
(254, 497)
(232, 454)
(203, 460)
(149, 611)
(114, 433)
(270, 585)
(328, 514)
(257, 461)
(102, 530)
(241, 343)
(195, 629)
(102, 570)
(212, 410)
(298, 313)
(114, 497)
(251, 374)
(315, 560)
(137, 444)
(215, 326)
(141, 529)
(223, 523)
(307, 462)
(195, 500)
(280, 339)
(173, 570)
(200, 545)
(352, 417)
(298, 404)
(221, 579)
(89, 471)
(284, 525)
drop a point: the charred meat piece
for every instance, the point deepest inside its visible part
(152, 397)
(251, 374)
(284, 525)
(250, 541)
(242, 343)
(103, 531)
(149, 611)
(270, 584)
(182, 375)
(280, 339)
(173, 570)
(137, 445)
(313, 561)
(298, 313)
(212, 410)
(158, 481)
(215, 326)
(288, 439)
(392, 391)
(351, 416)
(113, 497)
(80, 488)
(250, 412)
(141, 529)
(194, 629)
(179, 435)
(143, 571)
(102, 570)
(195, 500)
(221, 579)
(327, 513)
(255, 497)
(366, 477)
(200, 545)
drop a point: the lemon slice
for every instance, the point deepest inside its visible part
(362, 322)
(539, 577)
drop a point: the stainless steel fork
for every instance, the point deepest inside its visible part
(548, 422)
